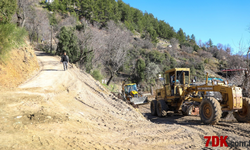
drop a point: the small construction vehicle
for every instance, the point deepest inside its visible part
(177, 90)
(130, 93)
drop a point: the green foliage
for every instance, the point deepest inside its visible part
(153, 34)
(200, 66)
(210, 43)
(68, 43)
(43, 2)
(88, 60)
(10, 36)
(173, 62)
(206, 61)
(181, 36)
(52, 19)
(97, 75)
(192, 70)
(155, 56)
(7, 9)
(104, 10)
(196, 47)
(141, 68)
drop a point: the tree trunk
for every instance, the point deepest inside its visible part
(51, 39)
(112, 75)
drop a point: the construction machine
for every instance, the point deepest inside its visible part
(130, 93)
(177, 90)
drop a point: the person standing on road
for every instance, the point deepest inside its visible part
(65, 61)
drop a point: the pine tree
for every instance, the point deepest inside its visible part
(210, 43)
(141, 69)
(7, 9)
(192, 40)
(68, 43)
(181, 36)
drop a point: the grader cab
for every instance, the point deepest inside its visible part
(177, 89)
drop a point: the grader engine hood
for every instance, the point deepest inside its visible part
(237, 97)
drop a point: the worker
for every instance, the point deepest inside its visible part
(195, 78)
(65, 61)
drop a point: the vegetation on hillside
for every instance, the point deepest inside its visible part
(10, 34)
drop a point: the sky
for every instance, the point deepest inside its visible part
(222, 21)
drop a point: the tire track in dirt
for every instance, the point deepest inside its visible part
(234, 131)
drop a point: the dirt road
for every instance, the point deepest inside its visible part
(59, 109)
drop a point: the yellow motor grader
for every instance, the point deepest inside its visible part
(177, 90)
(130, 93)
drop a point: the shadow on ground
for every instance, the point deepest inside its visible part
(174, 119)
(51, 70)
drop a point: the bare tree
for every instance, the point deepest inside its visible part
(98, 45)
(187, 49)
(174, 42)
(236, 61)
(152, 70)
(21, 12)
(117, 45)
(205, 54)
(85, 40)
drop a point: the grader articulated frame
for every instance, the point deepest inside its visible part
(177, 89)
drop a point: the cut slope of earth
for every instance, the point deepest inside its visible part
(59, 109)
(18, 67)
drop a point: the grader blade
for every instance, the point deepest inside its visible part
(139, 100)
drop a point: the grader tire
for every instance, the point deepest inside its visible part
(243, 115)
(210, 111)
(153, 107)
(161, 108)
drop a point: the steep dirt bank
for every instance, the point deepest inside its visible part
(59, 109)
(18, 67)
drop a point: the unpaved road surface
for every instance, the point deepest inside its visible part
(59, 109)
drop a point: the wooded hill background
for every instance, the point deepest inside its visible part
(109, 38)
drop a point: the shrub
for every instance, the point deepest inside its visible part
(7, 9)
(200, 66)
(206, 61)
(10, 36)
(173, 62)
(141, 69)
(196, 47)
(97, 75)
(192, 70)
